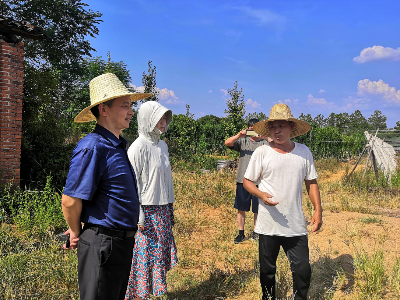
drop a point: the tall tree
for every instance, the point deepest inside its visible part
(235, 112)
(340, 121)
(150, 83)
(377, 120)
(358, 122)
(67, 23)
(48, 130)
(188, 113)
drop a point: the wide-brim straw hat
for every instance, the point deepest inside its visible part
(103, 88)
(281, 112)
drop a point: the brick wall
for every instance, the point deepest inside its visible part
(11, 89)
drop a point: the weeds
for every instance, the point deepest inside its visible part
(371, 220)
(369, 274)
(394, 278)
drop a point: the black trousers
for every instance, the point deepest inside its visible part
(104, 264)
(296, 249)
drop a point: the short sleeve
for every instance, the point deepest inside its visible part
(84, 174)
(237, 145)
(311, 172)
(255, 166)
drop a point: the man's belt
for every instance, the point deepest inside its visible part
(110, 231)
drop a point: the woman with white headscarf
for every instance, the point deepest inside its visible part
(155, 250)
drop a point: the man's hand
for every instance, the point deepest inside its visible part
(73, 239)
(316, 221)
(242, 133)
(313, 193)
(230, 142)
(72, 208)
(266, 198)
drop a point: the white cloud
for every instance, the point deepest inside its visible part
(289, 101)
(319, 101)
(138, 89)
(252, 104)
(352, 103)
(164, 94)
(210, 91)
(224, 91)
(377, 53)
(321, 91)
(367, 86)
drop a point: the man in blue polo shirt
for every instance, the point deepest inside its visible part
(101, 193)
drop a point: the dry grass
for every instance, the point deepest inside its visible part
(354, 256)
(349, 257)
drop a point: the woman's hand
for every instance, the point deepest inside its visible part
(141, 227)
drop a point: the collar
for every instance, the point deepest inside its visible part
(108, 135)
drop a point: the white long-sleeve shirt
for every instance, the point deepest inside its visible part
(150, 159)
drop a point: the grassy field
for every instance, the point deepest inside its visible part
(354, 256)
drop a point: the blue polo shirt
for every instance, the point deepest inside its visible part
(101, 175)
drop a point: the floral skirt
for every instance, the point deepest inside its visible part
(154, 253)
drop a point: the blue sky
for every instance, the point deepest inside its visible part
(317, 56)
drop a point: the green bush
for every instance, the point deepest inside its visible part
(37, 214)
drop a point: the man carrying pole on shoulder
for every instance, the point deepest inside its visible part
(280, 170)
(101, 192)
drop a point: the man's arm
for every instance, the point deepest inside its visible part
(72, 209)
(230, 142)
(313, 193)
(252, 189)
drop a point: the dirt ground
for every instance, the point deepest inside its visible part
(343, 235)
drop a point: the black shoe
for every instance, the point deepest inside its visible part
(238, 239)
(254, 236)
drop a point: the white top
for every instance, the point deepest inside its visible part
(282, 176)
(150, 160)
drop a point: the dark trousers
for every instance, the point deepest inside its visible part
(104, 264)
(296, 249)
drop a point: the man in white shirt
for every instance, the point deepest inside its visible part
(280, 170)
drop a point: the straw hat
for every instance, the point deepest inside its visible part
(103, 88)
(281, 112)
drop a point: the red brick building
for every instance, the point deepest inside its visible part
(11, 94)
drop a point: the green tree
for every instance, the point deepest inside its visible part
(67, 23)
(397, 126)
(208, 119)
(306, 118)
(48, 132)
(377, 120)
(358, 123)
(320, 120)
(188, 113)
(260, 116)
(340, 121)
(234, 114)
(150, 83)
(51, 70)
